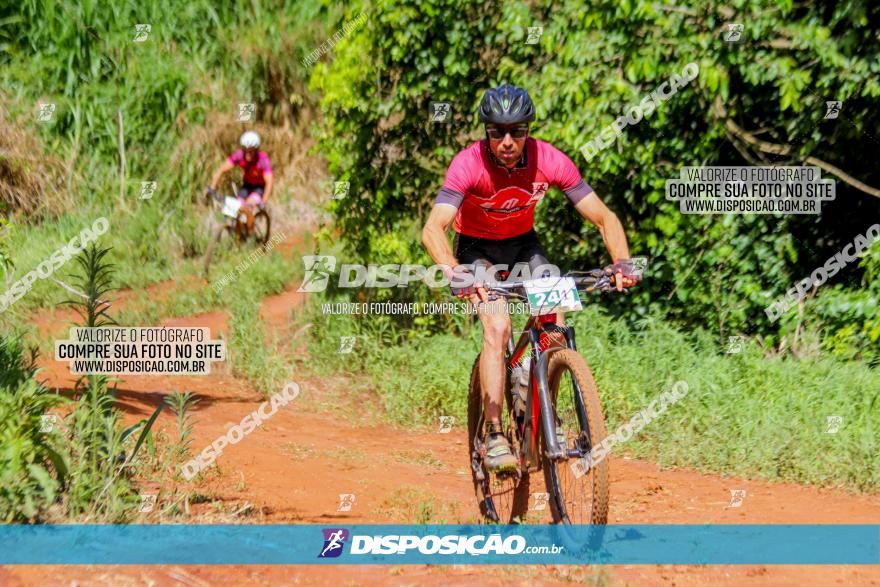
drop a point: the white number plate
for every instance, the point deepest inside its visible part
(549, 295)
(231, 207)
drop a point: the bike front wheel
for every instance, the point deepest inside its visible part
(262, 227)
(578, 488)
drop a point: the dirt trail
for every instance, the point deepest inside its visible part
(293, 468)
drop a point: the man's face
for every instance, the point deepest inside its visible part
(507, 142)
(250, 155)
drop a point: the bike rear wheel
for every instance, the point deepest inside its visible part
(576, 497)
(503, 499)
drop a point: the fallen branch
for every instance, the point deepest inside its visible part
(786, 150)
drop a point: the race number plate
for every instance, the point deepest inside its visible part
(231, 207)
(549, 295)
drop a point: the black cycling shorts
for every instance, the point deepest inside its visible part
(246, 190)
(524, 248)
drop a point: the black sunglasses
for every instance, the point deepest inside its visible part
(517, 132)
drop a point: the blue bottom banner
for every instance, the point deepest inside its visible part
(295, 544)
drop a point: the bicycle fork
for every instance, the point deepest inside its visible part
(539, 405)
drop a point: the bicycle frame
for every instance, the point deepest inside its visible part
(538, 406)
(237, 226)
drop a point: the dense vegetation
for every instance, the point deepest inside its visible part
(592, 61)
(177, 94)
(757, 102)
(746, 414)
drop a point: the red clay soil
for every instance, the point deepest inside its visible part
(293, 468)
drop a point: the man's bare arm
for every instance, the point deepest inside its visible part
(270, 183)
(434, 234)
(593, 209)
(437, 245)
(221, 171)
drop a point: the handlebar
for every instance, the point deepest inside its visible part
(594, 280)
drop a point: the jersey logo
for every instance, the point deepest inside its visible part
(539, 190)
(508, 200)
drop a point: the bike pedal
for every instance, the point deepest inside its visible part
(477, 468)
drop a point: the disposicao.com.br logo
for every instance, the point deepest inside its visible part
(455, 544)
(319, 269)
(334, 540)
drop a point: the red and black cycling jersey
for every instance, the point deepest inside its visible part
(497, 203)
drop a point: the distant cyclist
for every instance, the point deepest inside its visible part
(489, 194)
(257, 172)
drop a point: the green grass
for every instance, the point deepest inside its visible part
(416, 380)
(417, 505)
(745, 414)
(72, 465)
(254, 352)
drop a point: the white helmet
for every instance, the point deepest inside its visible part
(250, 140)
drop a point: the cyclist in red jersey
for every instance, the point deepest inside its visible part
(257, 179)
(489, 195)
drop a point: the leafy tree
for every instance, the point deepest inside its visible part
(757, 101)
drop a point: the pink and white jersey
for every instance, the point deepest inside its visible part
(495, 202)
(253, 172)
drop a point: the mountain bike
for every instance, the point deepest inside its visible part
(239, 222)
(552, 415)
